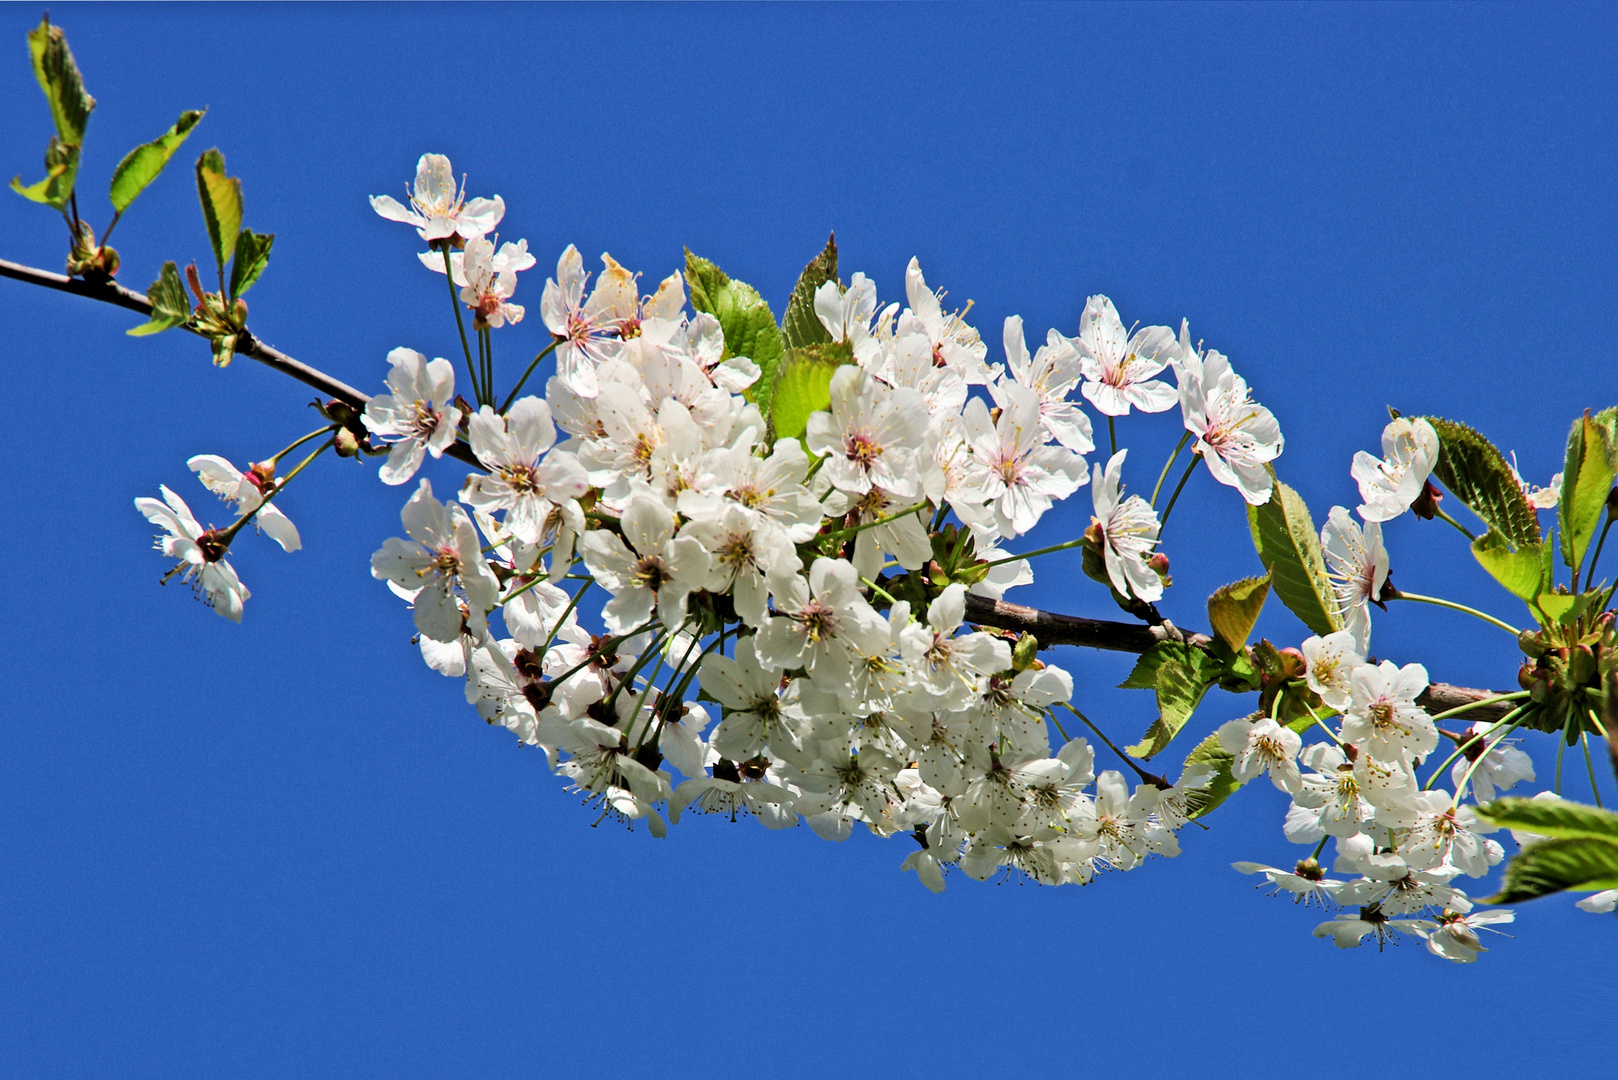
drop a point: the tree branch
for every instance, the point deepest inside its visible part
(1048, 626)
(248, 345)
(1053, 629)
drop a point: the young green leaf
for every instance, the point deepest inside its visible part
(170, 306)
(1521, 571)
(803, 386)
(221, 198)
(1477, 473)
(59, 77)
(1551, 817)
(800, 325)
(1289, 547)
(252, 255)
(61, 169)
(1233, 609)
(143, 164)
(1549, 866)
(1219, 787)
(1180, 675)
(1587, 479)
(743, 315)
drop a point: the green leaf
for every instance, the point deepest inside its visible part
(170, 306)
(803, 386)
(1587, 479)
(1180, 675)
(1561, 607)
(1219, 787)
(1521, 571)
(1289, 547)
(1233, 610)
(743, 315)
(59, 77)
(1579, 862)
(1477, 474)
(1551, 817)
(221, 198)
(143, 164)
(61, 169)
(800, 325)
(252, 255)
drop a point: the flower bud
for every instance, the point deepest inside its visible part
(1024, 652)
(345, 443)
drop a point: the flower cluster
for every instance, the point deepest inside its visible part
(777, 626)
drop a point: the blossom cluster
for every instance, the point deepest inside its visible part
(689, 611)
(749, 639)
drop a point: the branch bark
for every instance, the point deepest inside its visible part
(1054, 629)
(1049, 627)
(119, 296)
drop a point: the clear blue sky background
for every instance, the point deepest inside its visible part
(288, 849)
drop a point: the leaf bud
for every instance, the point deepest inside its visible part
(1024, 652)
(1531, 644)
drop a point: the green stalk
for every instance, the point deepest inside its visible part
(1169, 509)
(460, 324)
(543, 353)
(1164, 475)
(1400, 594)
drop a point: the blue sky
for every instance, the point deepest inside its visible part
(286, 848)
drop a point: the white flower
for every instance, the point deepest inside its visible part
(1446, 835)
(201, 560)
(1128, 533)
(1347, 930)
(823, 625)
(587, 330)
(1021, 475)
(869, 437)
(415, 415)
(748, 551)
(1332, 660)
(246, 491)
(442, 558)
(1500, 768)
(1383, 718)
(530, 485)
(661, 571)
(1357, 564)
(955, 344)
(751, 695)
(1236, 437)
(438, 209)
(847, 314)
(1599, 903)
(951, 667)
(1456, 936)
(1307, 884)
(1051, 373)
(1328, 802)
(904, 537)
(1263, 747)
(488, 279)
(1116, 822)
(1391, 484)
(1118, 366)
(1540, 498)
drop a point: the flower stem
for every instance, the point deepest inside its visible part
(284, 451)
(1584, 740)
(1164, 475)
(1464, 530)
(1399, 594)
(1591, 573)
(1466, 778)
(543, 353)
(1516, 714)
(1038, 551)
(460, 324)
(840, 534)
(1127, 760)
(880, 590)
(230, 534)
(1169, 509)
(1112, 435)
